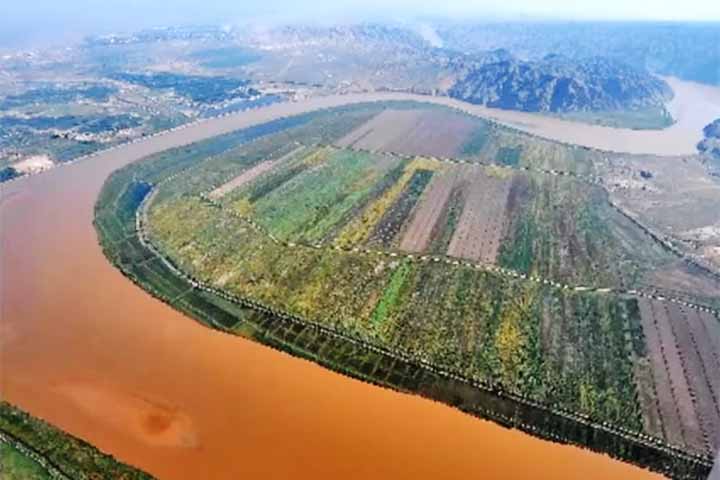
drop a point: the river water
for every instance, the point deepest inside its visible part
(85, 349)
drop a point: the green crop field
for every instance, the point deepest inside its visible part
(491, 282)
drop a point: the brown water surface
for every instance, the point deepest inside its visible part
(84, 348)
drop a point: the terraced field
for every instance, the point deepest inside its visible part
(507, 269)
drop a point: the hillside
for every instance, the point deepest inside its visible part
(683, 50)
(709, 147)
(557, 84)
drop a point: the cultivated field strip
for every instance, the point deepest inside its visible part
(426, 133)
(252, 173)
(666, 243)
(595, 180)
(428, 213)
(683, 385)
(482, 223)
(702, 376)
(392, 222)
(684, 396)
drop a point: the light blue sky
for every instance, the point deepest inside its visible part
(21, 21)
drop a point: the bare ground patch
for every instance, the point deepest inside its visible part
(684, 393)
(427, 215)
(250, 174)
(482, 223)
(412, 132)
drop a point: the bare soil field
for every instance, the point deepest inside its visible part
(426, 217)
(482, 223)
(701, 375)
(684, 371)
(412, 132)
(665, 394)
(245, 177)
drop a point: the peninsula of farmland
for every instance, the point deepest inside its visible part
(429, 251)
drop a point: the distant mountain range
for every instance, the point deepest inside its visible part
(497, 78)
(685, 50)
(556, 84)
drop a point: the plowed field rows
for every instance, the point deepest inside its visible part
(482, 222)
(413, 132)
(685, 373)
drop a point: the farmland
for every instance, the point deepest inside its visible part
(419, 132)
(497, 260)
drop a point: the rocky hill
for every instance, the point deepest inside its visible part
(709, 147)
(556, 84)
(712, 130)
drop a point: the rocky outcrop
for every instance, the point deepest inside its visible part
(556, 84)
(709, 147)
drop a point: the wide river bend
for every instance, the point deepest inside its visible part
(84, 348)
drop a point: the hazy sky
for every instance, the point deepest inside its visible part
(23, 21)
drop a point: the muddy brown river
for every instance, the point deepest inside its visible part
(87, 350)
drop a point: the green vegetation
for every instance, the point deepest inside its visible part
(649, 118)
(98, 93)
(8, 173)
(477, 141)
(16, 466)
(391, 294)
(196, 88)
(32, 449)
(311, 204)
(509, 156)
